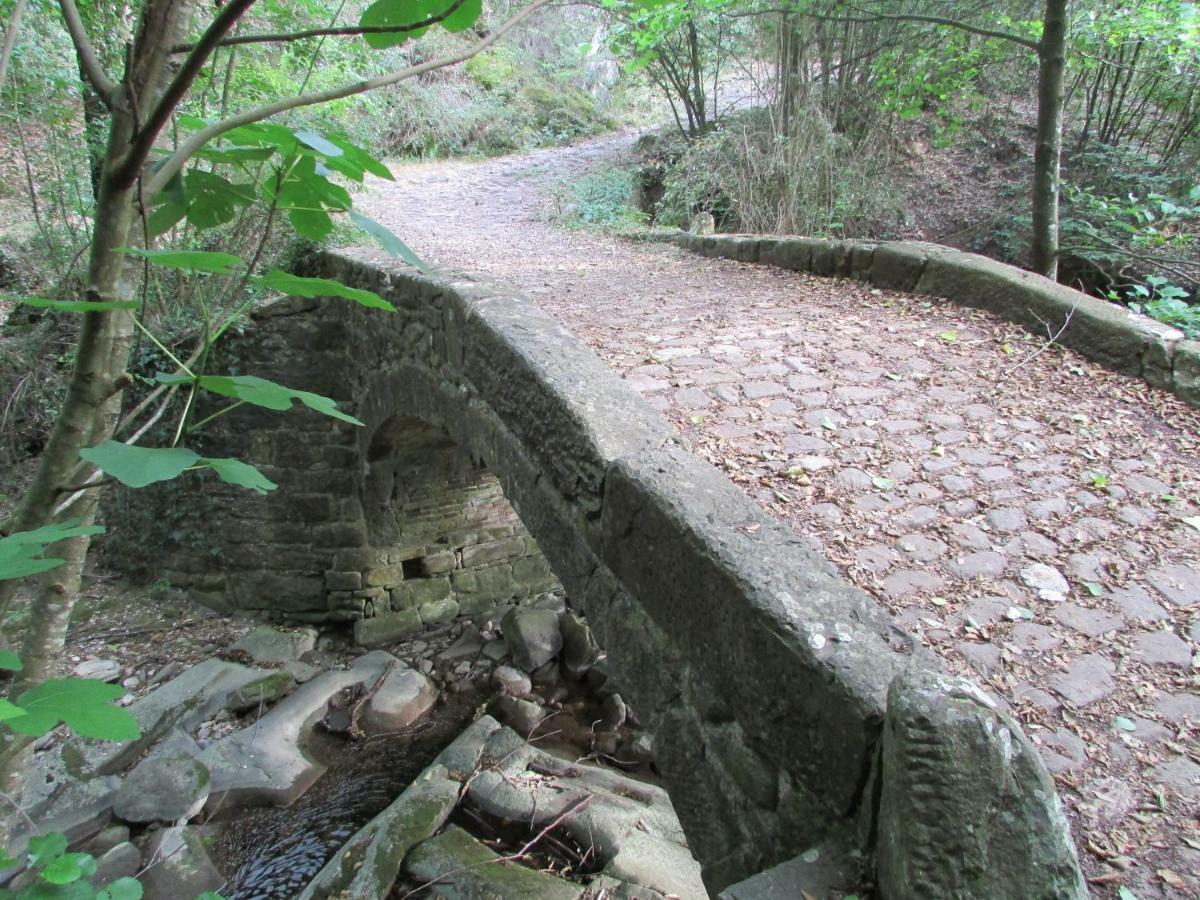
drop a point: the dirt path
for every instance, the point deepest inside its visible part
(1034, 520)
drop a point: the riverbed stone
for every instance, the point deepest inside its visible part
(512, 681)
(163, 789)
(182, 866)
(401, 698)
(267, 646)
(534, 637)
(265, 762)
(466, 869)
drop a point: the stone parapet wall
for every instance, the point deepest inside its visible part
(764, 675)
(1109, 334)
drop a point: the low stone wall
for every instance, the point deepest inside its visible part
(1112, 335)
(763, 674)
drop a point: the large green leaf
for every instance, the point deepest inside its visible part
(466, 15)
(43, 849)
(299, 286)
(213, 200)
(83, 703)
(139, 466)
(234, 471)
(69, 868)
(188, 260)
(354, 161)
(20, 553)
(388, 240)
(261, 392)
(318, 142)
(9, 710)
(396, 13)
(79, 305)
(169, 207)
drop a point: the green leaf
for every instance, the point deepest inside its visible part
(1093, 588)
(9, 710)
(268, 394)
(78, 305)
(355, 159)
(1125, 724)
(1124, 893)
(311, 224)
(169, 207)
(234, 471)
(10, 661)
(384, 13)
(20, 553)
(884, 484)
(45, 848)
(80, 702)
(464, 17)
(318, 142)
(296, 285)
(188, 260)
(69, 867)
(139, 466)
(122, 889)
(949, 336)
(213, 200)
(388, 240)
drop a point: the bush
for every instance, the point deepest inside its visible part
(602, 199)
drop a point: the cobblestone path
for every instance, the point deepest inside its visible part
(1033, 517)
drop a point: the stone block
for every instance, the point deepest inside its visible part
(1185, 375)
(492, 552)
(391, 628)
(338, 535)
(788, 253)
(435, 612)
(493, 581)
(897, 265)
(966, 809)
(438, 563)
(343, 581)
(383, 576)
(418, 591)
(532, 573)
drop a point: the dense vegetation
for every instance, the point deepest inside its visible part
(165, 162)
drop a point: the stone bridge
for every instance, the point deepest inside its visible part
(795, 723)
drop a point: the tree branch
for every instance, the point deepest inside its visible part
(284, 37)
(178, 88)
(171, 167)
(89, 63)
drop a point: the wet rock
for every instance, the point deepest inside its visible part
(533, 636)
(266, 645)
(641, 748)
(523, 716)
(181, 867)
(579, 649)
(403, 697)
(99, 669)
(122, 861)
(261, 693)
(265, 762)
(615, 711)
(163, 789)
(512, 681)
(460, 865)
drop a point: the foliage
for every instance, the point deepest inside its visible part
(599, 199)
(62, 874)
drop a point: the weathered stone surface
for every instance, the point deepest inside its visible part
(1086, 680)
(964, 798)
(266, 762)
(182, 867)
(818, 872)
(266, 645)
(262, 692)
(122, 861)
(99, 669)
(403, 697)
(163, 789)
(466, 869)
(1179, 584)
(579, 646)
(512, 681)
(533, 636)
(1162, 648)
(391, 628)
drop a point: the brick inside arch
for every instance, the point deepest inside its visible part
(439, 529)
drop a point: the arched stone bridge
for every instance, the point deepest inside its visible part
(794, 720)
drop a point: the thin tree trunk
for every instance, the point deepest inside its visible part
(1048, 142)
(10, 40)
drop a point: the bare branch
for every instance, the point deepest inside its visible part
(188, 147)
(284, 37)
(89, 63)
(178, 88)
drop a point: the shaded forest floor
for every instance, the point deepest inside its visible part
(1026, 513)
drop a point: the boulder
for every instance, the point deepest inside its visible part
(122, 861)
(403, 697)
(533, 636)
(261, 693)
(579, 647)
(181, 866)
(523, 716)
(99, 669)
(163, 789)
(512, 681)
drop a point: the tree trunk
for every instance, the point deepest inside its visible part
(92, 402)
(1048, 143)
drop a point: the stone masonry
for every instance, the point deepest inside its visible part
(763, 674)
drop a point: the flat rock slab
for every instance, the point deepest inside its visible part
(266, 762)
(1087, 679)
(465, 869)
(267, 646)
